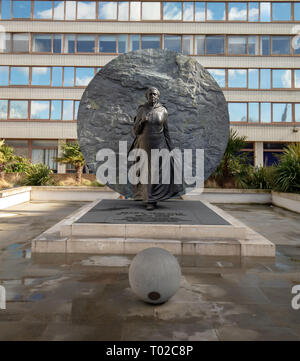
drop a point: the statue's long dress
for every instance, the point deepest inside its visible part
(154, 134)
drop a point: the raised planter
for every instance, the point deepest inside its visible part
(290, 201)
(13, 196)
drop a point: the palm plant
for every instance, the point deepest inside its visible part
(71, 154)
(6, 157)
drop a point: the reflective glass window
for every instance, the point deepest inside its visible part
(188, 11)
(40, 76)
(135, 11)
(297, 112)
(199, 11)
(70, 10)
(265, 45)
(199, 45)
(134, 42)
(55, 109)
(265, 12)
(86, 10)
(215, 44)
(3, 109)
(253, 78)
(215, 11)
(4, 75)
(68, 76)
(21, 9)
(253, 12)
(58, 10)
(68, 110)
(20, 43)
(19, 75)
(150, 41)
(253, 42)
(57, 43)
(172, 42)
(281, 11)
(122, 43)
(76, 108)
(237, 11)
(107, 44)
(237, 78)
(265, 112)
(5, 9)
(297, 78)
(237, 112)
(151, 11)
(219, 76)
(237, 44)
(69, 44)
(282, 112)
(85, 43)
(172, 11)
(281, 45)
(187, 44)
(297, 11)
(4, 42)
(18, 109)
(253, 112)
(84, 76)
(42, 9)
(57, 76)
(265, 78)
(39, 109)
(107, 10)
(281, 78)
(123, 10)
(42, 43)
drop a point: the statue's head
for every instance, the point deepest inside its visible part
(152, 95)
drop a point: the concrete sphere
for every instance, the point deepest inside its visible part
(154, 275)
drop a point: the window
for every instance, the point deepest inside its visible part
(57, 43)
(134, 42)
(253, 78)
(253, 11)
(107, 10)
(265, 45)
(281, 78)
(237, 11)
(282, 112)
(123, 10)
(122, 43)
(86, 10)
(55, 109)
(42, 10)
(39, 109)
(200, 45)
(3, 109)
(150, 41)
(172, 11)
(297, 11)
(237, 78)
(281, 11)
(215, 44)
(85, 43)
(19, 75)
(188, 11)
(253, 42)
(297, 78)
(20, 147)
(20, 43)
(84, 76)
(237, 45)
(44, 151)
(150, 11)
(265, 78)
(237, 112)
(68, 110)
(265, 112)
(40, 76)
(57, 76)
(200, 11)
(69, 44)
(265, 12)
(18, 109)
(5, 9)
(297, 112)
(187, 44)
(42, 43)
(21, 9)
(59, 10)
(215, 11)
(76, 108)
(135, 11)
(4, 74)
(172, 42)
(107, 44)
(219, 76)
(281, 45)
(70, 10)
(253, 112)
(4, 42)
(68, 76)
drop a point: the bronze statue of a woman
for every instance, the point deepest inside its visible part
(151, 132)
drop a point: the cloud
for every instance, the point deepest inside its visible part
(40, 71)
(47, 14)
(86, 10)
(108, 10)
(135, 10)
(236, 14)
(18, 110)
(172, 11)
(188, 12)
(38, 107)
(286, 79)
(84, 80)
(200, 15)
(210, 15)
(235, 72)
(253, 14)
(217, 72)
(151, 11)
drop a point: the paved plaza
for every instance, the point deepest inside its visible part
(87, 297)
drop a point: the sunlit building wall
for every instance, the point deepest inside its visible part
(50, 50)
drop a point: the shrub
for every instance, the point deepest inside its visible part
(18, 165)
(38, 175)
(261, 177)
